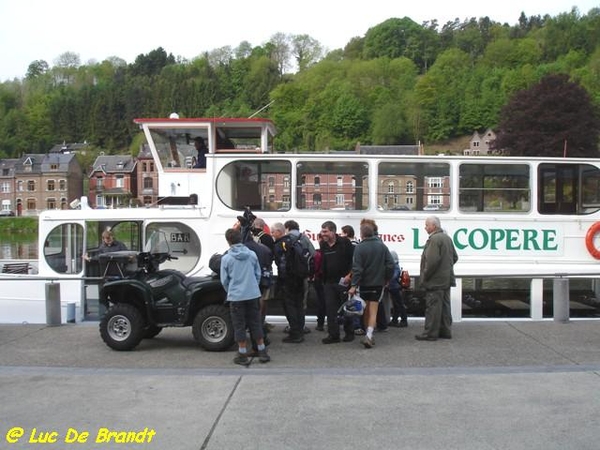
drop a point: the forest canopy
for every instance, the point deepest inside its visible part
(400, 83)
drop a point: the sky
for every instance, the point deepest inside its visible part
(43, 30)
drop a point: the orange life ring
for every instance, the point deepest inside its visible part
(589, 240)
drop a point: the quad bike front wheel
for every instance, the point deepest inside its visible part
(122, 327)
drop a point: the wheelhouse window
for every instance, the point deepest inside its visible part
(494, 188)
(568, 189)
(343, 184)
(427, 186)
(247, 183)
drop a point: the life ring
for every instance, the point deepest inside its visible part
(589, 240)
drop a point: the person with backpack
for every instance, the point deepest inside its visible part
(289, 287)
(336, 266)
(305, 253)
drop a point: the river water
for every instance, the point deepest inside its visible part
(22, 249)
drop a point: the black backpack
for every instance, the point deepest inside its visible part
(300, 262)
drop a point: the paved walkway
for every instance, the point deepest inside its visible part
(495, 385)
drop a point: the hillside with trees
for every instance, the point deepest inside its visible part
(400, 83)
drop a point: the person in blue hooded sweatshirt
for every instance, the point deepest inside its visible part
(240, 277)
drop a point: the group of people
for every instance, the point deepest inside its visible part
(343, 267)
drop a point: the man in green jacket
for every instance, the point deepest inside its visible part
(436, 278)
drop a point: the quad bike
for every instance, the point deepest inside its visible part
(141, 300)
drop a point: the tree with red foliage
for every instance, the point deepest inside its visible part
(553, 118)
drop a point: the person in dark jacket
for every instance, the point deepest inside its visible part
(372, 268)
(436, 277)
(398, 303)
(289, 288)
(337, 252)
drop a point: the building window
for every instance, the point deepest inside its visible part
(434, 182)
(51, 203)
(391, 187)
(339, 199)
(271, 182)
(51, 185)
(53, 166)
(317, 181)
(410, 187)
(340, 181)
(286, 182)
(144, 167)
(20, 186)
(6, 187)
(119, 181)
(317, 199)
(147, 200)
(62, 185)
(31, 185)
(148, 183)
(99, 182)
(31, 204)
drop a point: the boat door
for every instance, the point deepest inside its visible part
(125, 232)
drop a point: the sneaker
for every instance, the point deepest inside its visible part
(359, 332)
(330, 340)
(241, 359)
(368, 342)
(403, 323)
(293, 339)
(306, 330)
(263, 356)
(424, 337)
(348, 337)
(320, 327)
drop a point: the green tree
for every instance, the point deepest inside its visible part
(547, 118)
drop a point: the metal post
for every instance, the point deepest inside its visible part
(53, 304)
(561, 299)
(70, 312)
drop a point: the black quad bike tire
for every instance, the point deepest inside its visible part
(122, 327)
(213, 329)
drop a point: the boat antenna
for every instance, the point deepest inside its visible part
(261, 109)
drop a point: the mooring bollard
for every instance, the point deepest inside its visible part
(560, 299)
(70, 312)
(53, 316)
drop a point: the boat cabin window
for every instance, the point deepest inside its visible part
(63, 248)
(494, 188)
(183, 243)
(326, 185)
(175, 147)
(568, 189)
(413, 186)
(262, 185)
